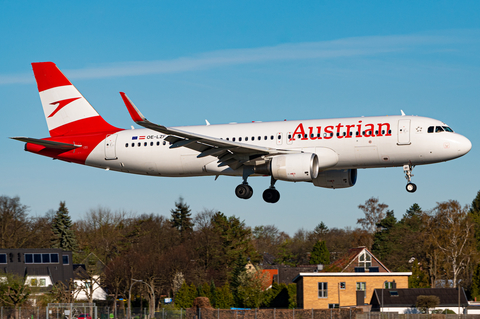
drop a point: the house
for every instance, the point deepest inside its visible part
(87, 285)
(404, 300)
(347, 282)
(40, 267)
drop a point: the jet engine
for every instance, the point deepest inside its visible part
(336, 178)
(301, 167)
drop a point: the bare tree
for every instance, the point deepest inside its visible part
(452, 232)
(14, 223)
(374, 213)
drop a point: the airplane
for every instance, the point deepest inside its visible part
(324, 152)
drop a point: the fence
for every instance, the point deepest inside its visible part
(391, 315)
(164, 313)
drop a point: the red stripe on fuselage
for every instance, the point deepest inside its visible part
(89, 125)
(77, 155)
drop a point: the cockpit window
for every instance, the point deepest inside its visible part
(447, 129)
(431, 129)
(438, 129)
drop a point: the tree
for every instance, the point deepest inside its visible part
(185, 296)
(181, 218)
(475, 213)
(64, 237)
(250, 290)
(224, 297)
(426, 302)
(14, 225)
(14, 292)
(238, 277)
(320, 231)
(320, 254)
(374, 213)
(452, 233)
(475, 287)
(418, 279)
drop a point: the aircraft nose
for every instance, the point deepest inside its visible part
(464, 145)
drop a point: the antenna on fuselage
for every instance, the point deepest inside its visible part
(403, 114)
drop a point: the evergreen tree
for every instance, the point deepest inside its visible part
(213, 294)
(238, 272)
(64, 237)
(475, 287)
(320, 254)
(185, 296)
(182, 218)
(475, 213)
(418, 279)
(224, 297)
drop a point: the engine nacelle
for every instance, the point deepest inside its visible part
(336, 178)
(302, 167)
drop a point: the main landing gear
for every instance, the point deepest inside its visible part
(407, 169)
(245, 191)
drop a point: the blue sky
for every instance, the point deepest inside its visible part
(182, 62)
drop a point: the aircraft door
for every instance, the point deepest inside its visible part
(110, 145)
(403, 132)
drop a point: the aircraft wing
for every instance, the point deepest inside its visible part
(46, 143)
(229, 153)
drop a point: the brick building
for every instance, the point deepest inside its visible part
(349, 281)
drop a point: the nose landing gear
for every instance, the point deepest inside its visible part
(407, 169)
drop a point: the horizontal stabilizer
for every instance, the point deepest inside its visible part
(46, 143)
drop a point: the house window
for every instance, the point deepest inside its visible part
(388, 285)
(65, 259)
(333, 306)
(362, 286)
(364, 260)
(43, 282)
(3, 258)
(41, 258)
(342, 286)
(33, 282)
(322, 290)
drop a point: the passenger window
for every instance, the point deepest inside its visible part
(289, 136)
(338, 134)
(139, 144)
(126, 145)
(133, 144)
(331, 134)
(389, 131)
(318, 135)
(151, 143)
(228, 139)
(299, 136)
(344, 133)
(271, 137)
(233, 139)
(145, 144)
(158, 143)
(305, 136)
(239, 139)
(259, 138)
(312, 135)
(383, 132)
(279, 137)
(376, 132)
(246, 139)
(164, 143)
(351, 133)
(253, 138)
(265, 138)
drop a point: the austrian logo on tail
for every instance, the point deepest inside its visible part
(62, 104)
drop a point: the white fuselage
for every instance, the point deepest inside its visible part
(361, 142)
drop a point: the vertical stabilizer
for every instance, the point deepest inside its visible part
(66, 110)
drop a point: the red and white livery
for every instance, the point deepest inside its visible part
(325, 152)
